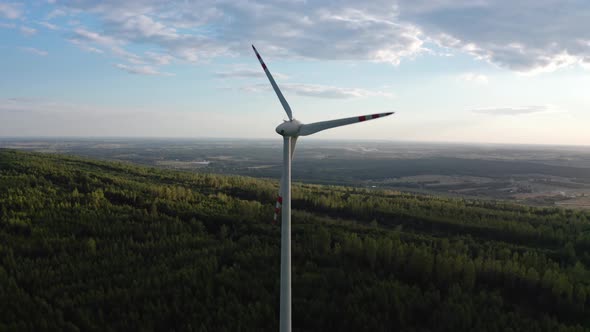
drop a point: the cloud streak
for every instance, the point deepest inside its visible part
(511, 111)
(474, 78)
(27, 31)
(248, 73)
(35, 51)
(48, 25)
(141, 70)
(84, 35)
(321, 91)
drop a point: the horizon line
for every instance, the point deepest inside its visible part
(269, 139)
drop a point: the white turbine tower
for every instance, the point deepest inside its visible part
(291, 130)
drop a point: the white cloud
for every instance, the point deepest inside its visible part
(10, 10)
(85, 39)
(322, 91)
(195, 31)
(141, 28)
(145, 64)
(141, 70)
(27, 31)
(517, 110)
(129, 56)
(85, 47)
(158, 58)
(48, 25)
(35, 51)
(187, 48)
(55, 13)
(474, 78)
(82, 34)
(526, 36)
(92, 49)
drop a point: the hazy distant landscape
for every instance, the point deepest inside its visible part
(530, 174)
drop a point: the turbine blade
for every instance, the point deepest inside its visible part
(279, 202)
(274, 85)
(293, 143)
(312, 128)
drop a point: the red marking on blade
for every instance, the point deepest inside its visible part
(362, 118)
(280, 200)
(277, 210)
(375, 116)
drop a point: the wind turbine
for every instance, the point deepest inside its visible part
(291, 130)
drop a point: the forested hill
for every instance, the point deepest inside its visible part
(98, 246)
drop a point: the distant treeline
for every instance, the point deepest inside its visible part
(89, 245)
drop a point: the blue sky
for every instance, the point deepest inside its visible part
(453, 71)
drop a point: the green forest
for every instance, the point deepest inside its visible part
(89, 245)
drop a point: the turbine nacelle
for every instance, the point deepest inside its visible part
(289, 128)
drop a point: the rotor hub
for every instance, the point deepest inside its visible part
(289, 128)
